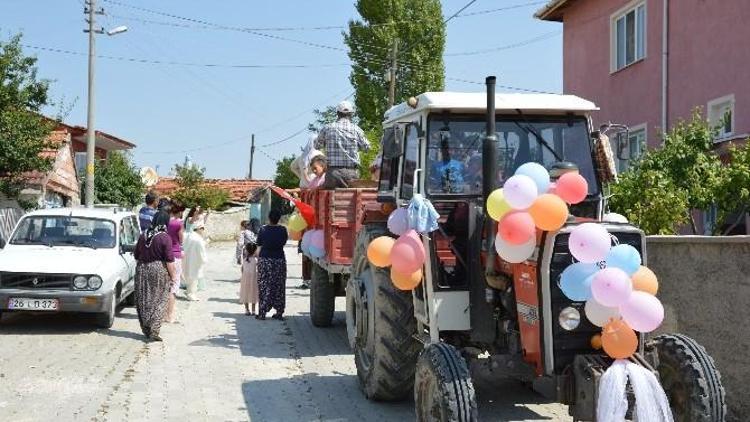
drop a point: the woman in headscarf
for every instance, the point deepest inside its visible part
(272, 267)
(154, 275)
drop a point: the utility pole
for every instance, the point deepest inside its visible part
(90, 130)
(392, 73)
(92, 30)
(252, 153)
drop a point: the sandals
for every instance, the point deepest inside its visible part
(260, 317)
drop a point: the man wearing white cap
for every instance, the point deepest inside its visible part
(342, 141)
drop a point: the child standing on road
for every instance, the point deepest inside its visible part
(249, 280)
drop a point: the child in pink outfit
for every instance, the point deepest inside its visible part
(318, 167)
(249, 280)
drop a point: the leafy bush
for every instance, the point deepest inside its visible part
(117, 181)
(193, 190)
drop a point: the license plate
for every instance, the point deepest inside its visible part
(27, 304)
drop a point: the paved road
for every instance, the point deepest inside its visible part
(216, 364)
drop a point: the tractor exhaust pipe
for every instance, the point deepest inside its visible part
(489, 159)
(489, 180)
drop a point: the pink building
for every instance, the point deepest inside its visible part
(649, 63)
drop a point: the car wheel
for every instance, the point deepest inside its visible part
(107, 319)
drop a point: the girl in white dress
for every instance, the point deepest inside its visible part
(249, 280)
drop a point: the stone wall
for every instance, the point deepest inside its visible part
(704, 283)
(224, 225)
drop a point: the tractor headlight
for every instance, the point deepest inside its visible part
(569, 318)
(95, 282)
(80, 282)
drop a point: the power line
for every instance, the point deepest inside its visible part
(507, 46)
(500, 9)
(292, 136)
(459, 11)
(172, 63)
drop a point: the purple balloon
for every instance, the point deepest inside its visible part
(398, 221)
(611, 287)
(520, 191)
(317, 252)
(643, 312)
(318, 240)
(306, 241)
(589, 242)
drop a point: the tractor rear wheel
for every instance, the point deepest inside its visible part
(443, 390)
(690, 379)
(381, 327)
(322, 297)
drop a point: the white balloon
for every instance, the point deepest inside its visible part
(514, 253)
(614, 217)
(599, 314)
(520, 191)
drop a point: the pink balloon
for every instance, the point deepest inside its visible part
(408, 254)
(552, 188)
(643, 312)
(572, 188)
(589, 242)
(520, 191)
(318, 239)
(517, 227)
(611, 287)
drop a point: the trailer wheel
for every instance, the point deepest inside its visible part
(385, 350)
(322, 297)
(690, 379)
(443, 390)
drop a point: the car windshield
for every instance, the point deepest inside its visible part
(455, 149)
(60, 230)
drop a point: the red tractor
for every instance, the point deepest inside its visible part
(471, 306)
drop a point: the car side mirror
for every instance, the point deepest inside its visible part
(2, 243)
(127, 249)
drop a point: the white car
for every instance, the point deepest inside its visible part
(70, 260)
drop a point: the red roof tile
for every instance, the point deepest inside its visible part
(239, 189)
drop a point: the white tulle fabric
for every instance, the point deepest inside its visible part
(651, 403)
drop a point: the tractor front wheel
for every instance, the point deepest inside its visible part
(443, 391)
(690, 379)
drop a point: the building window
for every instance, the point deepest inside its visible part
(628, 36)
(630, 148)
(81, 163)
(721, 115)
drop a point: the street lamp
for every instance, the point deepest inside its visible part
(90, 130)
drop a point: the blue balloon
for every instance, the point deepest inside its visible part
(537, 173)
(575, 281)
(316, 252)
(624, 257)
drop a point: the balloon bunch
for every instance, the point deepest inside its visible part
(296, 225)
(529, 200)
(313, 243)
(405, 255)
(619, 292)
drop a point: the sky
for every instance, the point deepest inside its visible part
(171, 110)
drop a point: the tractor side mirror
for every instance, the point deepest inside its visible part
(604, 158)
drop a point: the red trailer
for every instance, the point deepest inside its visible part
(341, 214)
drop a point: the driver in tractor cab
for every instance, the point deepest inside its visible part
(342, 141)
(447, 175)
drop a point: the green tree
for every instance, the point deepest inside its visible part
(664, 187)
(193, 190)
(418, 26)
(322, 118)
(117, 181)
(733, 194)
(23, 131)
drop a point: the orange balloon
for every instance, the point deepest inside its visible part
(596, 341)
(549, 212)
(406, 281)
(645, 281)
(619, 340)
(379, 251)
(294, 235)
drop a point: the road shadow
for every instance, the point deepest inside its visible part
(62, 324)
(294, 337)
(318, 397)
(234, 301)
